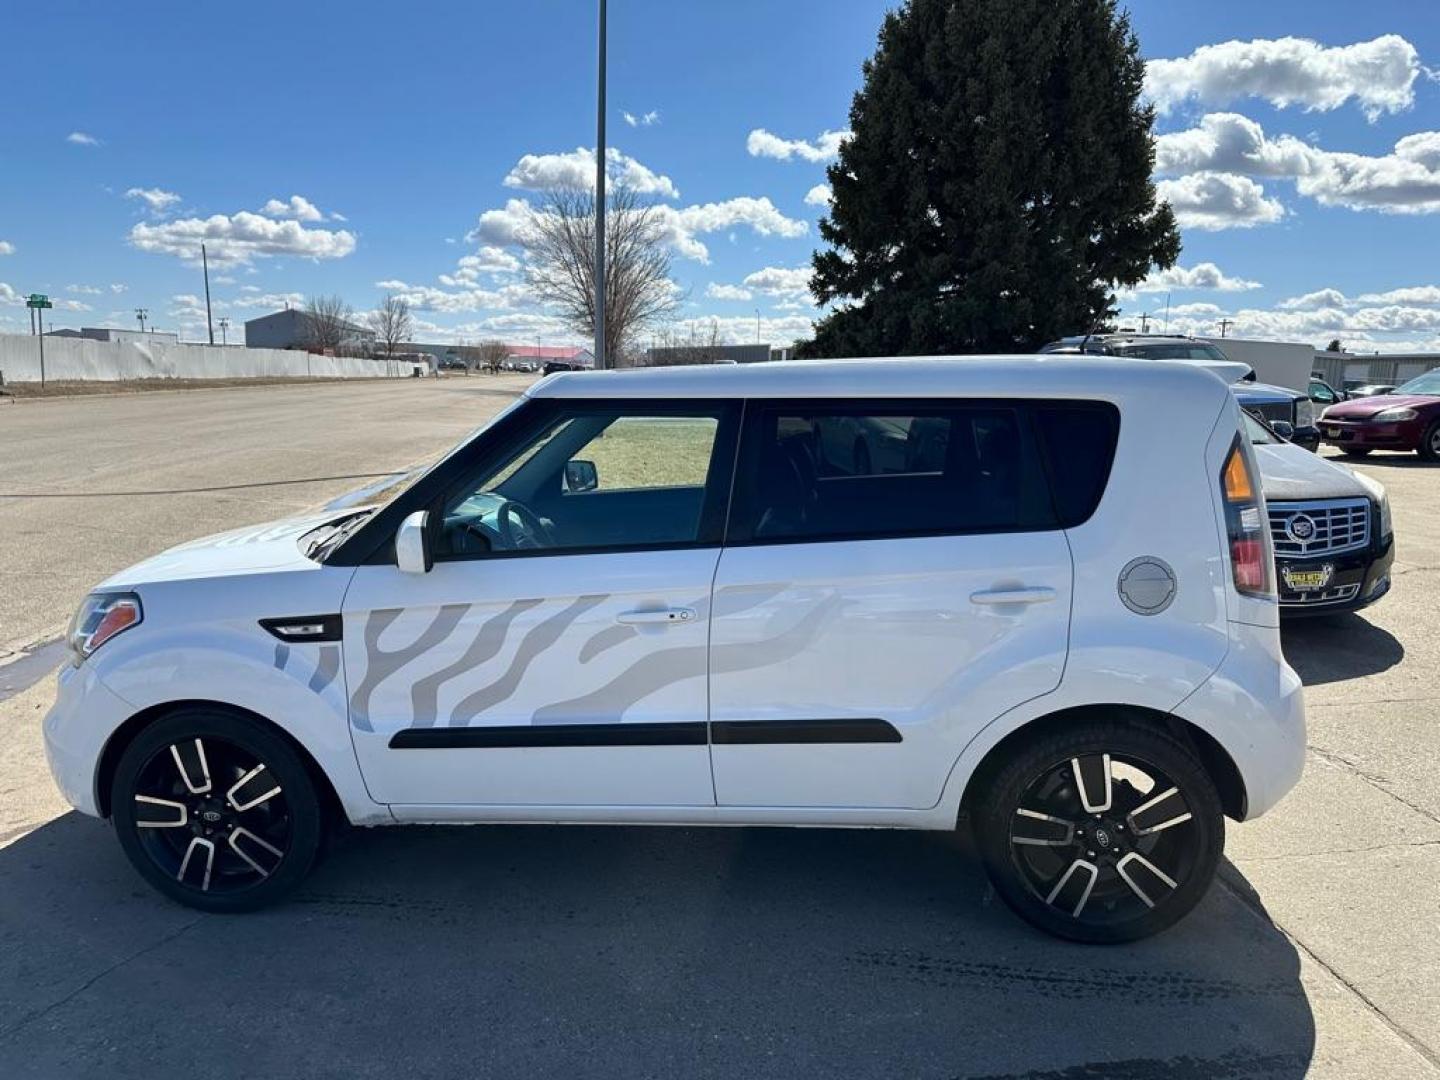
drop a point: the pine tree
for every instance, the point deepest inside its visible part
(996, 187)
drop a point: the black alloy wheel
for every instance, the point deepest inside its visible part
(216, 811)
(1429, 447)
(1105, 832)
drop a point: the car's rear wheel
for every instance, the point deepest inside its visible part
(216, 810)
(1430, 442)
(1103, 832)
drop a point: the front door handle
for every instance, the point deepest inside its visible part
(1038, 594)
(656, 616)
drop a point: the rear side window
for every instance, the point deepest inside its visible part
(1078, 440)
(845, 471)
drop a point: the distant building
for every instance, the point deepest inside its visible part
(1345, 370)
(671, 355)
(535, 357)
(105, 333)
(290, 329)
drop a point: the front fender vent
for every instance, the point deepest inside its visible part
(301, 628)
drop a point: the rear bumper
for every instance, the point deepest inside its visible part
(1357, 580)
(1254, 707)
(1358, 434)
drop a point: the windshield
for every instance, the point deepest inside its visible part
(1427, 384)
(1172, 350)
(1257, 432)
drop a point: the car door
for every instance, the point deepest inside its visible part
(865, 626)
(555, 652)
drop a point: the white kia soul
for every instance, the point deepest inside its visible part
(1031, 595)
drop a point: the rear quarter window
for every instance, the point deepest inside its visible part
(1077, 441)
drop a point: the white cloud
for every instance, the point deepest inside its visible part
(649, 119)
(117, 288)
(84, 290)
(1314, 301)
(786, 283)
(1205, 275)
(429, 298)
(268, 301)
(819, 195)
(1213, 201)
(239, 238)
(727, 292)
(1405, 181)
(741, 329)
(1414, 294)
(506, 227)
(758, 214)
(6, 248)
(80, 138)
(8, 295)
(1378, 75)
(488, 260)
(826, 147)
(537, 172)
(157, 199)
(297, 207)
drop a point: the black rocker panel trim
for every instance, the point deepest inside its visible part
(551, 735)
(299, 628)
(843, 730)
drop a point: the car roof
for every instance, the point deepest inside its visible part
(1039, 376)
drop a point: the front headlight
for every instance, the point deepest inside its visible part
(1391, 415)
(100, 618)
(1304, 413)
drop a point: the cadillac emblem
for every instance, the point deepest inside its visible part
(1300, 528)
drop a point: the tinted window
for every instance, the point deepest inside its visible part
(1178, 350)
(853, 472)
(592, 477)
(1079, 444)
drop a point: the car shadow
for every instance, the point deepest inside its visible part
(624, 951)
(1333, 648)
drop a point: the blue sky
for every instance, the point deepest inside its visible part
(134, 129)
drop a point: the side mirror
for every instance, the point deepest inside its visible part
(412, 553)
(581, 475)
(1283, 428)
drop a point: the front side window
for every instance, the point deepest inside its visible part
(592, 477)
(840, 471)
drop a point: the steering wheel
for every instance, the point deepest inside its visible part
(521, 528)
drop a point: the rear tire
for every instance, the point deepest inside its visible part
(1078, 845)
(216, 811)
(1429, 448)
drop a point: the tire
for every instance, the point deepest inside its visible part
(1357, 452)
(1156, 868)
(1429, 448)
(216, 811)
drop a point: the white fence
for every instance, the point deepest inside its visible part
(82, 358)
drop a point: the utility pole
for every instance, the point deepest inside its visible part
(141, 314)
(601, 360)
(224, 328)
(1225, 325)
(757, 326)
(205, 261)
(1144, 323)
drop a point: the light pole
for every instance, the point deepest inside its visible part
(224, 330)
(205, 261)
(141, 314)
(601, 360)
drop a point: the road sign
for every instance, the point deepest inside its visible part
(38, 300)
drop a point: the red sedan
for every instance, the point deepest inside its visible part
(1406, 419)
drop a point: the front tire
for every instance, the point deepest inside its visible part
(1103, 832)
(1429, 448)
(216, 810)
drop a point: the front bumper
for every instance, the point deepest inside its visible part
(1356, 580)
(85, 714)
(1365, 434)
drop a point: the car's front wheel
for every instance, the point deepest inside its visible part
(1429, 447)
(1105, 831)
(216, 810)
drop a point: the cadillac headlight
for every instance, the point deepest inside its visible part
(100, 618)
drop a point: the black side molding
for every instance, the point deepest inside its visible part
(298, 628)
(843, 730)
(550, 735)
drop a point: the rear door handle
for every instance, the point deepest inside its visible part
(660, 616)
(1038, 594)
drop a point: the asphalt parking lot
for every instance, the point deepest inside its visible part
(526, 951)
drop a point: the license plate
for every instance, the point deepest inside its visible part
(1306, 580)
(1333, 432)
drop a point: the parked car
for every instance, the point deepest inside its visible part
(553, 366)
(1359, 389)
(1330, 527)
(454, 363)
(1323, 394)
(1059, 629)
(1407, 418)
(1271, 403)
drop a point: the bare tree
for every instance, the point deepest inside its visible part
(697, 343)
(392, 323)
(327, 324)
(491, 354)
(561, 268)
